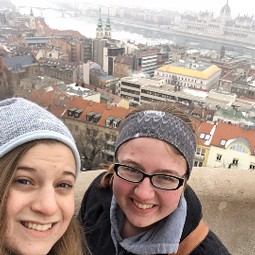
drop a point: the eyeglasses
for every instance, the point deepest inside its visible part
(160, 181)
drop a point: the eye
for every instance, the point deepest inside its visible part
(65, 185)
(166, 178)
(22, 181)
(132, 170)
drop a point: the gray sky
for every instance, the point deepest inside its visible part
(237, 6)
(242, 7)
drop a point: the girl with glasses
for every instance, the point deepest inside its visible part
(143, 204)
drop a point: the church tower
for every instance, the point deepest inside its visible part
(99, 30)
(108, 29)
(32, 20)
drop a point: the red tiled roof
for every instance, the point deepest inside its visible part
(226, 132)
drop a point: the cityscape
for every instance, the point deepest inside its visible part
(92, 64)
(203, 64)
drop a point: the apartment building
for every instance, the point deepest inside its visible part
(146, 61)
(59, 69)
(15, 68)
(145, 90)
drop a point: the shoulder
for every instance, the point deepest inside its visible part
(211, 246)
(194, 212)
(96, 201)
(94, 216)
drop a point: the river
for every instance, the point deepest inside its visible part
(87, 27)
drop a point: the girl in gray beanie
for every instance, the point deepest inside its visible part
(143, 204)
(39, 163)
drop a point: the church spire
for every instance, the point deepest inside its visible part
(99, 30)
(108, 29)
(32, 22)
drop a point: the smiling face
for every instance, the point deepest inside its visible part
(41, 199)
(142, 203)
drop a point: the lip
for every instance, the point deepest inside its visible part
(142, 207)
(38, 229)
(37, 226)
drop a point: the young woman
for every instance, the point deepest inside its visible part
(143, 204)
(39, 164)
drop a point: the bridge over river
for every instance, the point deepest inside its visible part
(181, 37)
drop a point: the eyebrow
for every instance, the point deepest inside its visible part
(159, 170)
(30, 169)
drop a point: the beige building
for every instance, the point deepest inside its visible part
(190, 74)
(224, 145)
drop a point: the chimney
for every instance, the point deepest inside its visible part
(108, 107)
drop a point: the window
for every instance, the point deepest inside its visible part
(252, 166)
(97, 118)
(218, 157)
(200, 151)
(239, 148)
(207, 137)
(78, 113)
(198, 163)
(116, 122)
(223, 142)
(235, 162)
(108, 121)
(202, 135)
(90, 116)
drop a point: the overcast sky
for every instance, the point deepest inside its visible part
(242, 7)
(237, 6)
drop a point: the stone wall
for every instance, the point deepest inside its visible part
(228, 200)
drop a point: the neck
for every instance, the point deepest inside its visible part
(129, 229)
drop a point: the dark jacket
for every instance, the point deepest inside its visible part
(94, 216)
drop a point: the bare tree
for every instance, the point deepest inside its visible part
(90, 144)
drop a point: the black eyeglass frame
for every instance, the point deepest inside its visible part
(180, 179)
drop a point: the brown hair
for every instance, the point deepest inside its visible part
(70, 242)
(167, 107)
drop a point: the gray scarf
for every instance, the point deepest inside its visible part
(163, 238)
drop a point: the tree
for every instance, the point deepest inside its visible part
(90, 144)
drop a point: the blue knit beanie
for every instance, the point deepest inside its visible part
(22, 121)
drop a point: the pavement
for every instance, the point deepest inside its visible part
(228, 200)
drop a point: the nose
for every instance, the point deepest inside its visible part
(144, 189)
(45, 201)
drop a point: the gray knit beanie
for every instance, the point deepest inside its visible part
(160, 125)
(22, 121)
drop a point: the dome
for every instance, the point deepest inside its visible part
(225, 10)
